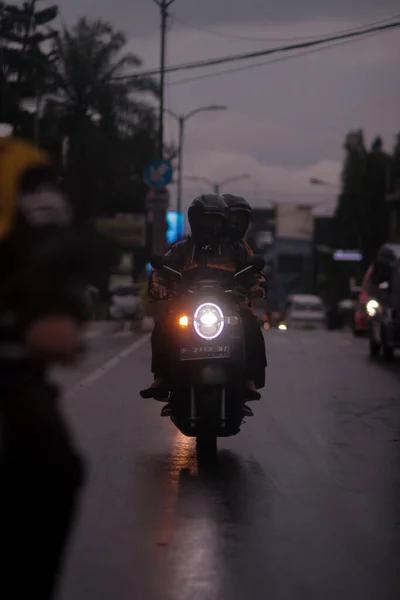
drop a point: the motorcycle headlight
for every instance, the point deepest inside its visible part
(208, 321)
(372, 307)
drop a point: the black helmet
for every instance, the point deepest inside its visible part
(208, 216)
(237, 205)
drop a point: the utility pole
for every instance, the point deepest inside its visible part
(158, 214)
(163, 5)
(181, 120)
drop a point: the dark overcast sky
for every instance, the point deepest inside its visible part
(239, 11)
(285, 122)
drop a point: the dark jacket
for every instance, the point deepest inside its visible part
(221, 262)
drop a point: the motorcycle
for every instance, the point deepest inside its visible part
(207, 369)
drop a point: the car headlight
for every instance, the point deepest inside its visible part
(371, 307)
(282, 326)
(208, 321)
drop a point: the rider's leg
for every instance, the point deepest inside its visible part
(255, 357)
(159, 361)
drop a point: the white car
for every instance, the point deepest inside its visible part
(126, 304)
(305, 311)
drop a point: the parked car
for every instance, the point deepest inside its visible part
(126, 303)
(91, 301)
(305, 311)
(360, 323)
(383, 305)
(346, 308)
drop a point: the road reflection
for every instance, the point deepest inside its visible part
(202, 517)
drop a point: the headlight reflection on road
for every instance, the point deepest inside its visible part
(188, 527)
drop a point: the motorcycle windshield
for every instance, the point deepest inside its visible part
(210, 274)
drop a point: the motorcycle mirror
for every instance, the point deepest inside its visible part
(243, 272)
(258, 263)
(157, 262)
(161, 263)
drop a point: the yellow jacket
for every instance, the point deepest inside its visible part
(17, 157)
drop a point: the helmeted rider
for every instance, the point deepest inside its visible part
(206, 254)
(238, 224)
(239, 217)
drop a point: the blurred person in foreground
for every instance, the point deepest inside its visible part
(45, 264)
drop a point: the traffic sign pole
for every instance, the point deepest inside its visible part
(158, 175)
(180, 164)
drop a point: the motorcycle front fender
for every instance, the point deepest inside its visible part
(210, 374)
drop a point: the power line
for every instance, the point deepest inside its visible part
(272, 61)
(163, 6)
(258, 53)
(280, 39)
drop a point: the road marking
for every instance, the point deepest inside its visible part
(94, 333)
(122, 334)
(91, 334)
(110, 364)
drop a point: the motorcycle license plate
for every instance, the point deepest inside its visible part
(202, 352)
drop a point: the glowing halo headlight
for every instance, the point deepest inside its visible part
(208, 321)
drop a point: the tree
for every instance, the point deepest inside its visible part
(394, 170)
(25, 65)
(91, 78)
(375, 226)
(95, 103)
(349, 209)
(361, 219)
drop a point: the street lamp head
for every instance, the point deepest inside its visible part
(316, 181)
(208, 108)
(235, 178)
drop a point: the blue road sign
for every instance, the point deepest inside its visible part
(158, 173)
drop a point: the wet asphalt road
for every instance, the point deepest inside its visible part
(304, 503)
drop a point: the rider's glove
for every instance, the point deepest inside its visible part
(162, 292)
(257, 292)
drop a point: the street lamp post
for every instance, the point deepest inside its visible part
(181, 119)
(216, 185)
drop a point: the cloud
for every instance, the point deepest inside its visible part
(267, 183)
(143, 15)
(274, 179)
(286, 121)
